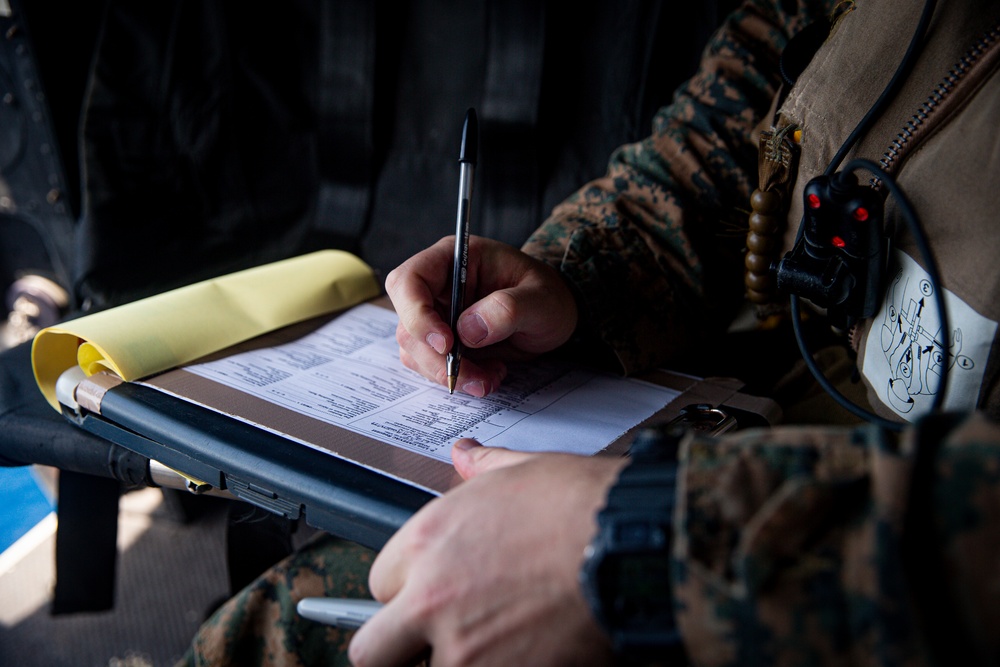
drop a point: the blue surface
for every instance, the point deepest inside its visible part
(22, 504)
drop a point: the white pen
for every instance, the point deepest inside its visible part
(345, 613)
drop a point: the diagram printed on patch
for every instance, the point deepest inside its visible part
(906, 351)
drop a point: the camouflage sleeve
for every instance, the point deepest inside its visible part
(653, 249)
(261, 626)
(838, 546)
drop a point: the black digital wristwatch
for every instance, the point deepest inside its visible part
(626, 570)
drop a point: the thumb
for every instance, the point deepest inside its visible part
(472, 459)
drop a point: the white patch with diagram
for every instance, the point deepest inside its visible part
(906, 351)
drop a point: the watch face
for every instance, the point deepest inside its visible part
(635, 590)
(626, 573)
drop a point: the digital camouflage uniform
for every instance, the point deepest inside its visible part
(814, 545)
(654, 249)
(260, 625)
(795, 545)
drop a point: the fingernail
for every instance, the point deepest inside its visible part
(436, 341)
(473, 328)
(475, 388)
(465, 444)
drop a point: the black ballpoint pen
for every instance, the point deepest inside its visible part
(467, 162)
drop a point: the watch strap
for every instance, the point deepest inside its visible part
(632, 549)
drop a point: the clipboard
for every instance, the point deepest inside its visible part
(206, 451)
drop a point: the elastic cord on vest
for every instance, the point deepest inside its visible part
(923, 247)
(890, 90)
(902, 71)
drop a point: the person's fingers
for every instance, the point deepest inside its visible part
(473, 379)
(524, 309)
(390, 569)
(419, 357)
(476, 377)
(415, 288)
(436, 571)
(471, 458)
(480, 377)
(388, 639)
(537, 315)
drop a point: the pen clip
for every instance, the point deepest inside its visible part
(470, 138)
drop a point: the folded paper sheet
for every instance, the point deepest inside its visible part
(161, 332)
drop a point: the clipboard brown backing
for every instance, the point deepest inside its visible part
(422, 471)
(344, 483)
(410, 467)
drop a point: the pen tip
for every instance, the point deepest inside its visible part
(451, 384)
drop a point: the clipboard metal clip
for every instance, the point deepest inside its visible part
(78, 392)
(167, 477)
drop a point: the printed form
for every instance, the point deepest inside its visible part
(348, 373)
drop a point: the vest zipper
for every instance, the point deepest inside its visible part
(918, 124)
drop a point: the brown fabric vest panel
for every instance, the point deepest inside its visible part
(950, 178)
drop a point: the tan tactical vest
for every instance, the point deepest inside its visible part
(940, 139)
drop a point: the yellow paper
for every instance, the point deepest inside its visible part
(155, 334)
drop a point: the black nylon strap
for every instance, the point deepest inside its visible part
(509, 119)
(346, 100)
(86, 543)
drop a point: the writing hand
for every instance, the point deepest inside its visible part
(520, 307)
(488, 574)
